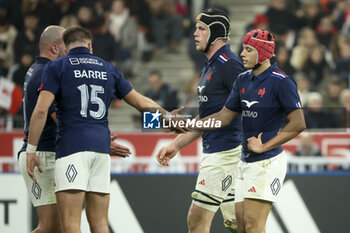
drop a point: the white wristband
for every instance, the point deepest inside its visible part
(31, 148)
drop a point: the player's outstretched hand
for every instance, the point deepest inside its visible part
(176, 119)
(117, 149)
(32, 162)
(165, 154)
(255, 144)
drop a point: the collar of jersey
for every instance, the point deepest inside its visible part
(42, 60)
(79, 50)
(217, 54)
(266, 73)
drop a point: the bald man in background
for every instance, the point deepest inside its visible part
(42, 192)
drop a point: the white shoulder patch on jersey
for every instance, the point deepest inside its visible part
(279, 74)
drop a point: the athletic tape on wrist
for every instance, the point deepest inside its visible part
(31, 148)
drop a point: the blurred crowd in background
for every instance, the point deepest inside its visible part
(313, 47)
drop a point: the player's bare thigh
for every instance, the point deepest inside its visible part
(96, 206)
(49, 220)
(255, 214)
(239, 206)
(70, 204)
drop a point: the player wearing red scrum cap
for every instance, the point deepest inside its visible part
(265, 96)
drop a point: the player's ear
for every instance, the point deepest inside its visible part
(89, 45)
(54, 49)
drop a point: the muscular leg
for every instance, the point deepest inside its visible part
(97, 211)
(49, 221)
(240, 216)
(199, 219)
(255, 215)
(70, 204)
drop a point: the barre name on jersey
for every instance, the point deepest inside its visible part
(95, 74)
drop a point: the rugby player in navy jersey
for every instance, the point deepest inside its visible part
(265, 96)
(42, 193)
(221, 148)
(83, 87)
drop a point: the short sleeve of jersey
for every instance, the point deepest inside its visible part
(288, 95)
(122, 87)
(231, 73)
(37, 89)
(33, 86)
(233, 101)
(49, 79)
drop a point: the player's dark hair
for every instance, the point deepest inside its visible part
(76, 34)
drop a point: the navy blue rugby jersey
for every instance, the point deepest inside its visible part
(30, 96)
(265, 101)
(84, 87)
(214, 87)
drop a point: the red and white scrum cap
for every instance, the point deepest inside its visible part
(263, 42)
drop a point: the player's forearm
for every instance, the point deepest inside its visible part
(295, 126)
(185, 139)
(217, 120)
(37, 123)
(142, 103)
(147, 104)
(279, 140)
